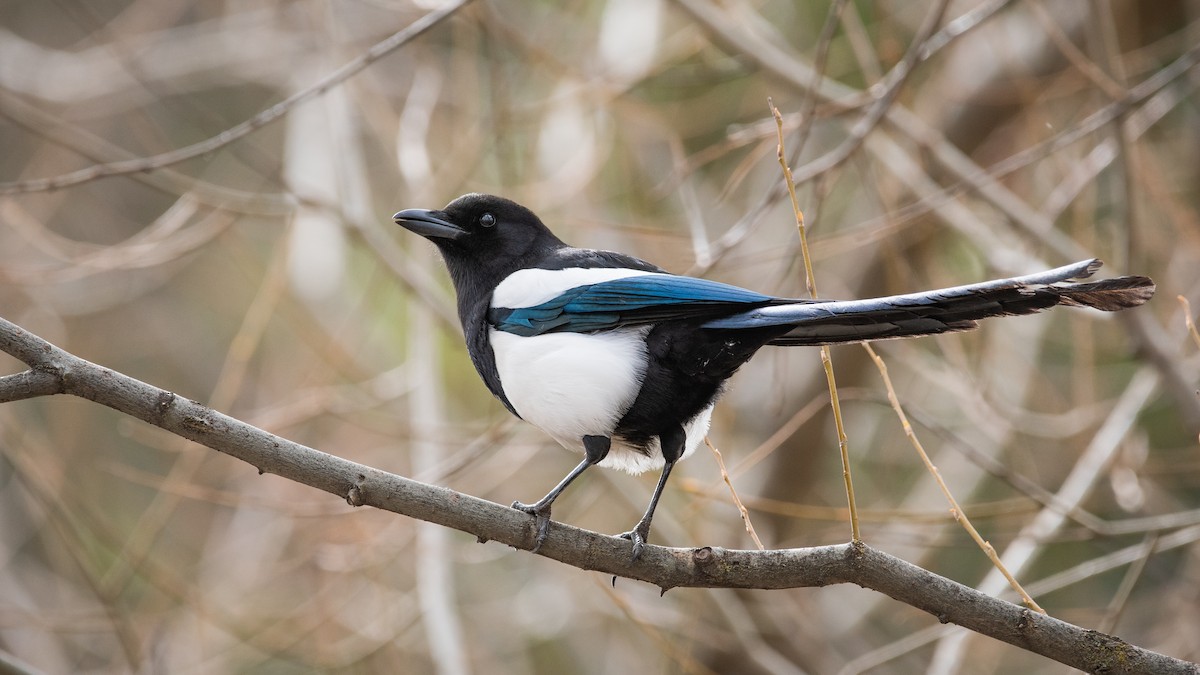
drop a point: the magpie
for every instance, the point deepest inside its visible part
(618, 359)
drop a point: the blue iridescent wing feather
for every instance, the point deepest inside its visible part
(626, 302)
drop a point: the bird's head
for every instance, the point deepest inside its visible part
(485, 232)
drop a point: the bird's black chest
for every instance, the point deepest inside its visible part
(685, 372)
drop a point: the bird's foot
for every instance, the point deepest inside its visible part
(541, 513)
(638, 536)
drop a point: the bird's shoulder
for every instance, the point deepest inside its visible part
(565, 271)
(569, 257)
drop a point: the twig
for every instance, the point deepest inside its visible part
(1132, 575)
(1094, 524)
(1187, 317)
(1091, 465)
(955, 509)
(1062, 42)
(826, 360)
(733, 493)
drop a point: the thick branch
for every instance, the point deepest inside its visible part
(53, 370)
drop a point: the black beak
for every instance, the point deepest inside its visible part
(428, 224)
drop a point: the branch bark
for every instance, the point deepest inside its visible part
(55, 371)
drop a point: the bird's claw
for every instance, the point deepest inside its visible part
(638, 536)
(541, 522)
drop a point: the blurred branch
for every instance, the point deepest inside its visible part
(1079, 483)
(1187, 317)
(750, 36)
(890, 89)
(166, 240)
(53, 370)
(136, 165)
(15, 666)
(761, 44)
(1095, 525)
(171, 182)
(959, 514)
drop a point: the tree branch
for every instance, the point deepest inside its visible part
(29, 384)
(53, 370)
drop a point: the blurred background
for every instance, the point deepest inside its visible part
(934, 143)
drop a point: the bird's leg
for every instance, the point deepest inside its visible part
(672, 444)
(595, 449)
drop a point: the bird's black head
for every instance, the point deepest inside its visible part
(483, 238)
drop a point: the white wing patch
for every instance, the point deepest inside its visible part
(531, 287)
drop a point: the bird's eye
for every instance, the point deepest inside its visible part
(487, 220)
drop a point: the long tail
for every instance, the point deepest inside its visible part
(942, 311)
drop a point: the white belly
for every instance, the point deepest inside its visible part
(572, 385)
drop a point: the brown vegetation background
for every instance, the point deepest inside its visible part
(938, 144)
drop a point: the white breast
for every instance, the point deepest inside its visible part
(571, 385)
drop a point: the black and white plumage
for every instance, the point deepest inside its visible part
(622, 361)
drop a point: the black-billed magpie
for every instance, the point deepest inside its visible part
(623, 361)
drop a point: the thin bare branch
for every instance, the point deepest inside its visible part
(810, 281)
(140, 164)
(745, 513)
(957, 511)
